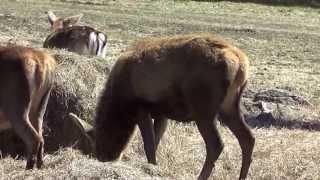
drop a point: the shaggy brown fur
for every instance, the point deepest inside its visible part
(185, 78)
(26, 79)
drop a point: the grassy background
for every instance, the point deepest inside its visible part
(282, 43)
(309, 3)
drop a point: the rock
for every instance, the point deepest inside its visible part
(276, 108)
(266, 107)
(280, 96)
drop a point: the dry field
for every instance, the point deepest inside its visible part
(283, 44)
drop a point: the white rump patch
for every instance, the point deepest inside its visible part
(102, 45)
(97, 44)
(93, 43)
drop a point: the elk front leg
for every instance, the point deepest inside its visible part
(214, 146)
(160, 126)
(147, 132)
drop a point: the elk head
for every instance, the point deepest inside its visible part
(86, 129)
(60, 23)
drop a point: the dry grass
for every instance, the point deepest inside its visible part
(279, 154)
(282, 43)
(310, 3)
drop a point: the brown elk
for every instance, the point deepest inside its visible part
(68, 35)
(26, 77)
(186, 78)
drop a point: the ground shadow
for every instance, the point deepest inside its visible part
(266, 120)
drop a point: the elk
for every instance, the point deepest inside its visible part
(26, 77)
(192, 77)
(68, 35)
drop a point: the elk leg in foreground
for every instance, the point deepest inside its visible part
(160, 126)
(246, 140)
(38, 126)
(146, 129)
(235, 121)
(22, 126)
(214, 145)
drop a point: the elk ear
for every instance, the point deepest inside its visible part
(83, 125)
(51, 17)
(72, 20)
(87, 131)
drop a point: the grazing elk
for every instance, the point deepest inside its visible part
(186, 78)
(26, 77)
(80, 39)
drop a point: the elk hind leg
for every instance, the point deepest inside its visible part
(232, 116)
(37, 124)
(23, 128)
(240, 129)
(160, 126)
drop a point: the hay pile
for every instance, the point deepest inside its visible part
(71, 164)
(79, 80)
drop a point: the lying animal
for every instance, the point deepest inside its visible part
(67, 35)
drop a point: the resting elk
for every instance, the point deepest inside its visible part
(26, 77)
(186, 78)
(68, 35)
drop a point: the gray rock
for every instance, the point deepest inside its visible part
(280, 96)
